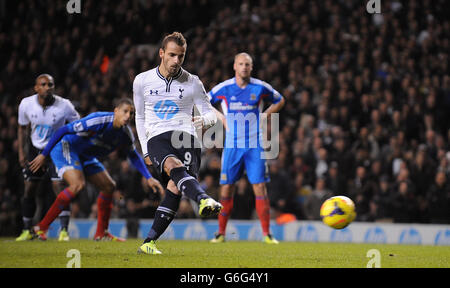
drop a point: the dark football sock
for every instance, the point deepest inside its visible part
(64, 218)
(61, 202)
(164, 215)
(28, 210)
(187, 184)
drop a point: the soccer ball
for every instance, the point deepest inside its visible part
(337, 212)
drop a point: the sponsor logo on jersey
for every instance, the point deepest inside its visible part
(166, 109)
(239, 106)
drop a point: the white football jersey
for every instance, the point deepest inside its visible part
(167, 104)
(45, 121)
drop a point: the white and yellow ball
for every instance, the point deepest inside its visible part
(338, 212)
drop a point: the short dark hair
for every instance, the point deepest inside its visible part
(123, 101)
(43, 75)
(176, 37)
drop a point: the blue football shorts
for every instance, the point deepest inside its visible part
(65, 158)
(235, 160)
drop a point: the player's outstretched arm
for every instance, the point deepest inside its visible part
(37, 163)
(22, 134)
(208, 115)
(221, 117)
(155, 185)
(39, 160)
(139, 164)
(138, 100)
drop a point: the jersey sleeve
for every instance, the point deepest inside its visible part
(201, 98)
(134, 156)
(203, 104)
(131, 139)
(138, 99)
(214, 93)
(70, 112)
(94, 122)
(23, 118)
(139, 163)
(270, 95)
(56, 137)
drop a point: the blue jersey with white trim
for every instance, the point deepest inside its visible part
(242, 108)
(94, 135)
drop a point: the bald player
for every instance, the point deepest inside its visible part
(242, 101)
(40, 115)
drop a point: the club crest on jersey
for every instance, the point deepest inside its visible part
(166, 109)
(181, 93)
(223, 177)
(252, 96)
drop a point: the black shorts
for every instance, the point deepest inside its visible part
(48, 169)
(161, 147)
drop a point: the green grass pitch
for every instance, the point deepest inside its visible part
(232, 254)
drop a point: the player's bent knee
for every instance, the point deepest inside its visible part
(57, 186)
(107, 188)
(259, 189)
(110, 187)
(171, 163)
(77, 187)
(226, 190)
(173, 188)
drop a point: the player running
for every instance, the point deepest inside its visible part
(42, 113)
(164, 98)
(242, 99)
(74, 149)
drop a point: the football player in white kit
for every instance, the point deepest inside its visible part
(42, 113)
(164, 98)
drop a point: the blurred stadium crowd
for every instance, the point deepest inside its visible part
(367, 95)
